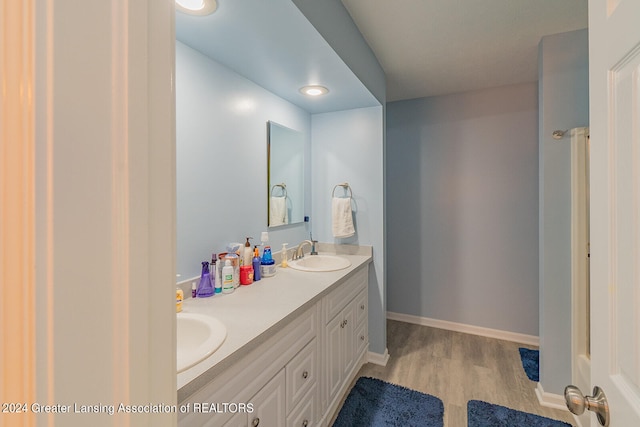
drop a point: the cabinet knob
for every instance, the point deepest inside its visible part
(342, 324)
(255, 422)
(362, 337)
(305, 423)
(362, 307)
(305, 374)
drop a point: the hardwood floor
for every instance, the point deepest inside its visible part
(456, 368)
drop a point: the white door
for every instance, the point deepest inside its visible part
(614, 85)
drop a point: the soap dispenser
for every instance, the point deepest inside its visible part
(283, 256)
(247, 255)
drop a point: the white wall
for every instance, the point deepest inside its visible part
(563, 61)
(348, 146)
(105, 211)
(222, 159)
(462, 208)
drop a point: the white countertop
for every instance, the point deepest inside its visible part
(252, 313)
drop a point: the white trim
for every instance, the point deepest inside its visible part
(377, 358)
(468, 329)
(550, 400)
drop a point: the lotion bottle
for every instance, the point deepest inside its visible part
(227, 278)
(247, 254)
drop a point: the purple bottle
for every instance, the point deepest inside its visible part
(204, 287)
(256, 264)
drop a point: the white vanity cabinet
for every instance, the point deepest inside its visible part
(276, 380)
(296, 376)
(345, 315)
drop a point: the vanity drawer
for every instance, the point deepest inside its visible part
(306, 413)
(360, 303)
(361, 340)
(344, 293)
(301, 374)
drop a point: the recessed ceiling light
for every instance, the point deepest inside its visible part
(314, 90)
(197, 7)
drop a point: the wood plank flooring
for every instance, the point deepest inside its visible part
(458, 367)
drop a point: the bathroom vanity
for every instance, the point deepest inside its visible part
(294, 343)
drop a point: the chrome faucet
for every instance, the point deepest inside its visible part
(299, 252)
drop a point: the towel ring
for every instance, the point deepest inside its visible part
(346, 187)
(283, 186)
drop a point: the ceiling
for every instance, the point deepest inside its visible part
(436, 47)
(272, 44)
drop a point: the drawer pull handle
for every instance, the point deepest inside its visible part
(305, 423)
(255, 422)
(305, 375)
(362, 307)
(345, 322)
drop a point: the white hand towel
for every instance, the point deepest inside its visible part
(278, 213)
(342, 217)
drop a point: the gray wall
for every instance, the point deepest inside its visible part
(462, 208)
(563, 61)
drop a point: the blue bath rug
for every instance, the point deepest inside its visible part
(531, 363)
(375, 403)
(483, 414)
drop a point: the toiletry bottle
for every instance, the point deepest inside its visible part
(246, 258)
(267, 265)
(204, 287)
(218, 287)
(193, 289)
(212, 271)
(227, 277)
(179, 299)
(283, 256)
(256, 264)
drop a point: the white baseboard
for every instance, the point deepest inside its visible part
(550, 400)
(377, 358)
(468, 329)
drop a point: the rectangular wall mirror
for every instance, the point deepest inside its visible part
(285, 175)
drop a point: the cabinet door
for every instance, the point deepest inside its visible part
(349, 344)
(334, 353)
(238, 420)
(269, 404)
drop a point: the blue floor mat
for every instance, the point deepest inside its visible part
(531, 363)
(375, 403)
(483, 414)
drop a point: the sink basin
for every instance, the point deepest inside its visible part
(320, 263)
(198, 336)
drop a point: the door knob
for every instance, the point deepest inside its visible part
(577, 403)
